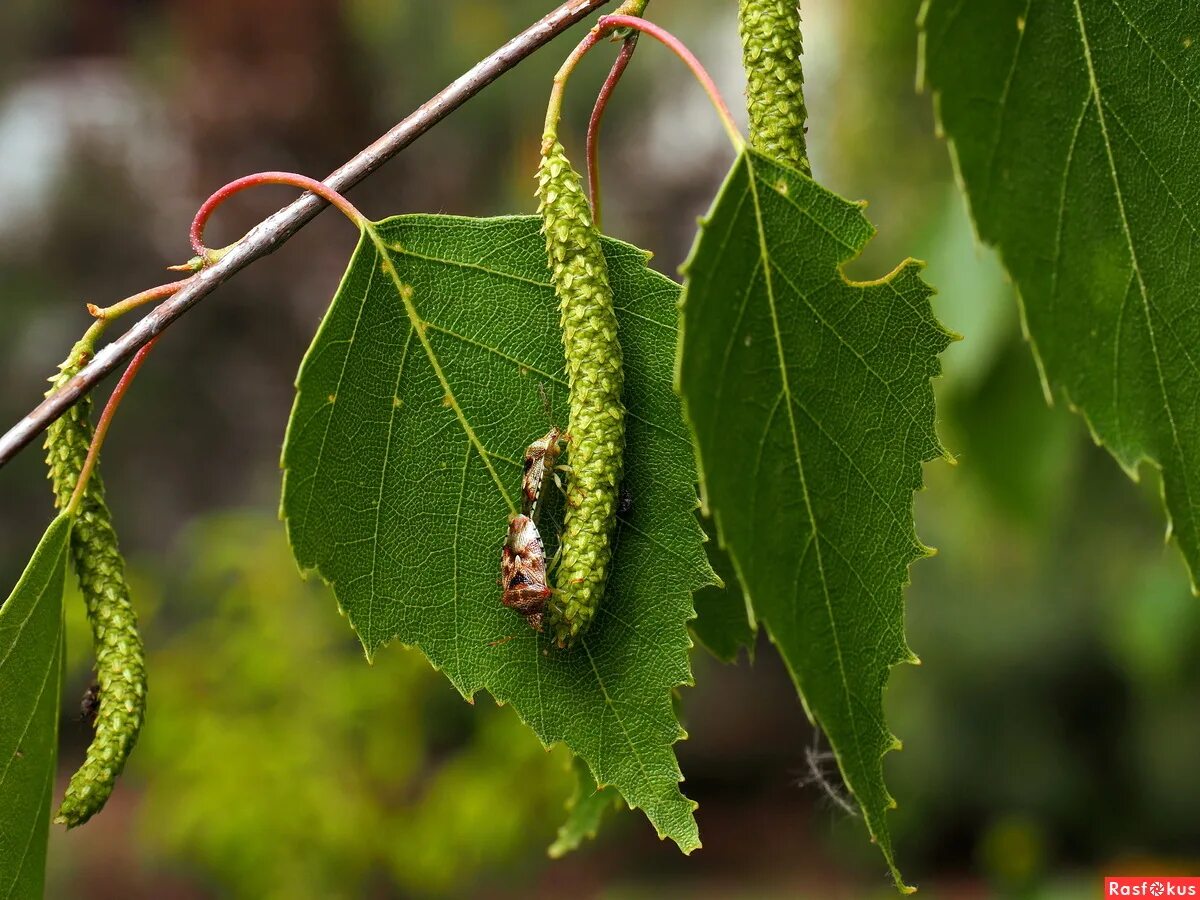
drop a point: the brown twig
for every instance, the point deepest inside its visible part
(272, 232)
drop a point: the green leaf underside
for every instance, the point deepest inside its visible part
(1072, 127)
(31, 643)
(403, 461)
(586, 811)
(811, 402)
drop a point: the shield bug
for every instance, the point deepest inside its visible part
(523, 571)
(541, 458)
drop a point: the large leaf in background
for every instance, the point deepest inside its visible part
(403, 460)
(586, 810)
(1071, 124)
(31, 643)
(812, 408)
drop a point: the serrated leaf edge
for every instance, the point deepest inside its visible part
(1131, 467)
(369, 649)
(918, 551)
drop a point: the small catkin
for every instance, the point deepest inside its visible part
(771, 51)
(596, 378)
(120, 658)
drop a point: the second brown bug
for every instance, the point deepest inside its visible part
(523, 571)
(541, 458)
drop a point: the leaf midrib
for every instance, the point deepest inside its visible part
(764, 255)
(418, 325)
(1146, 305)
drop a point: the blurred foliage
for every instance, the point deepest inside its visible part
(277, 763)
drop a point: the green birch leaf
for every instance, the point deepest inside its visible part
(1071, 125)
(586, 811)
(31, 648)
(811, 403)
(403, 461)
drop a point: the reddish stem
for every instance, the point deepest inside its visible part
(322, 190)
(593, 132)
(677, 47)
(114, 401)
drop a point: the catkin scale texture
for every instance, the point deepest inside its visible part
(120, 658)
(596, 378)
(771, 51)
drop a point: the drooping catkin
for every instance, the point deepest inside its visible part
(120, 658)
(771, 51)
(596, 378)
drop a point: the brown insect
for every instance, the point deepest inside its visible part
(540, 459)
(89, 706)
(523, 571)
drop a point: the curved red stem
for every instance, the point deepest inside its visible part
(593, 132)
(322, 190)
(106, 417)
(677, 47)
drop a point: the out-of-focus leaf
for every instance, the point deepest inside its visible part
(812, 407)
(359, 773)
(31, 646)
(1071, 123)
(403, 461)
(586, 810)
(1002, 410)
(723, 623)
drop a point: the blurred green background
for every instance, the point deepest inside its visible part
(1051, 735)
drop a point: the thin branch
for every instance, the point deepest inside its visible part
(272, 232)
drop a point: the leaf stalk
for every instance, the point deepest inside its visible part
(593, 134)
(102, 426)
(209, 206)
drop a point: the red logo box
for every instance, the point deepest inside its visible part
(1151, 886)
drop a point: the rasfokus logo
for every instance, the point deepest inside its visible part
(1151, 886)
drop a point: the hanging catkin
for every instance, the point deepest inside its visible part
(771, 50)
(596, 378)
(120, 659)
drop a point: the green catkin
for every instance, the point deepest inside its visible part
(120, 658)
(596, 378)
(771, 51)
